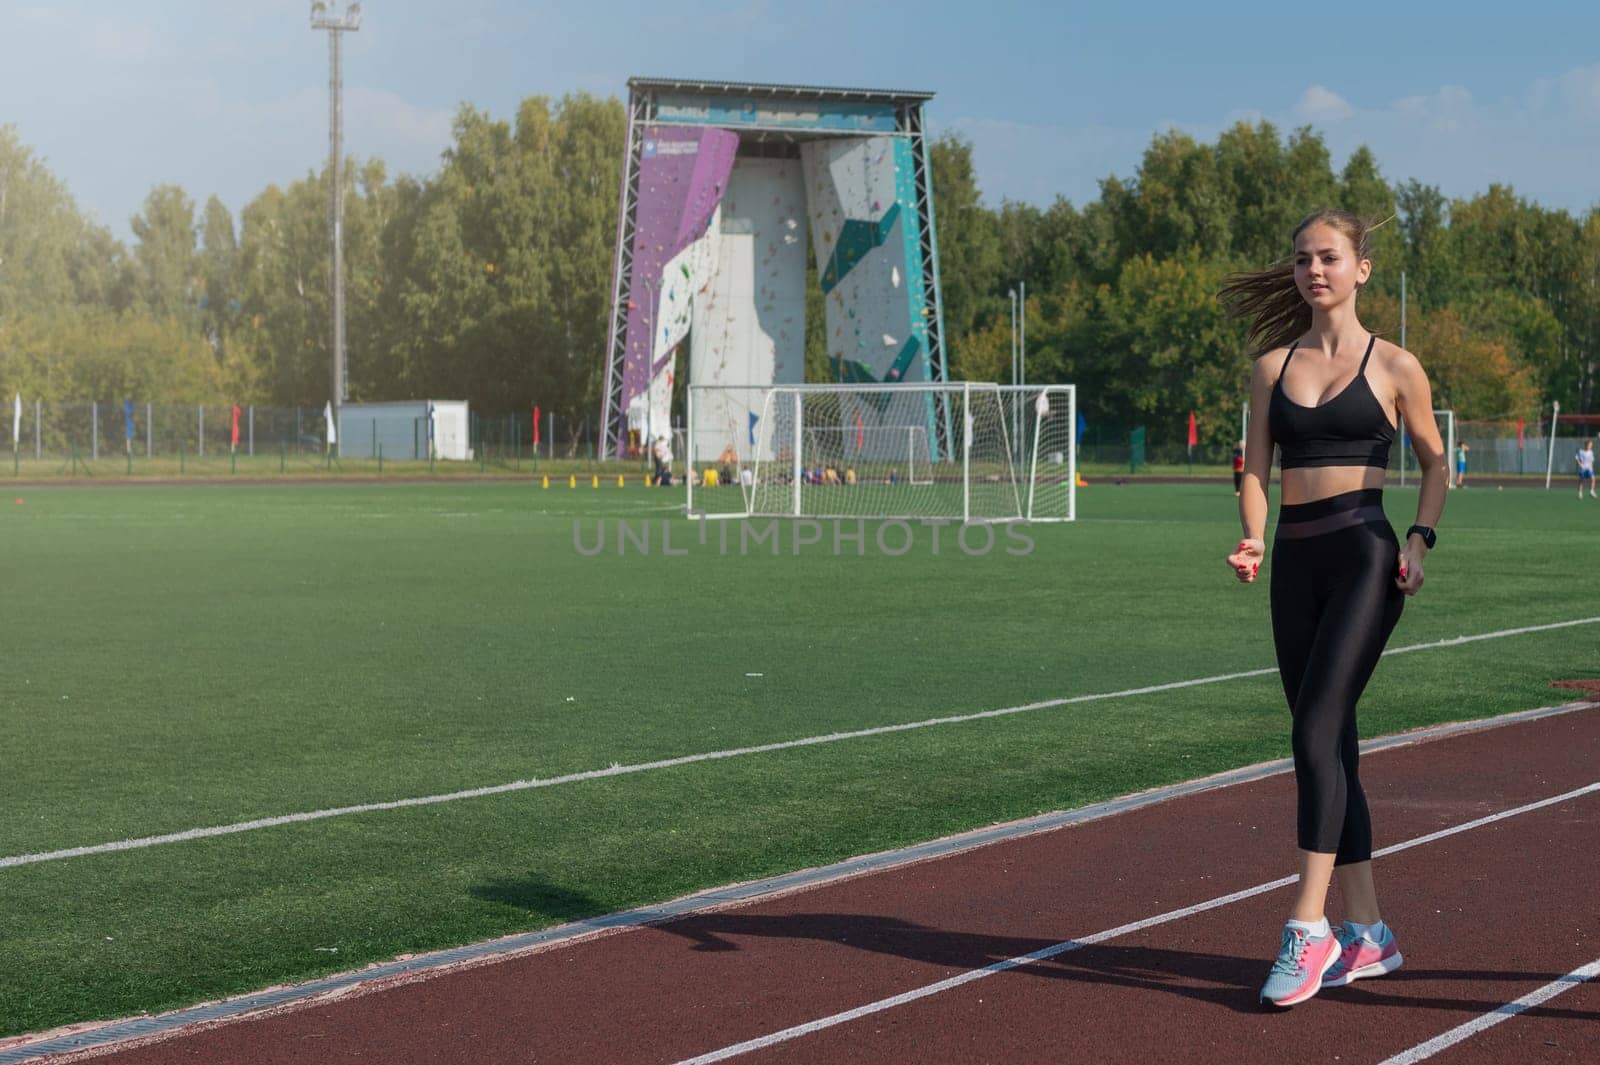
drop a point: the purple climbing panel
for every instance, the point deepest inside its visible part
(683, 173)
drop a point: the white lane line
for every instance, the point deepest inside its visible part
(968, 977)
(1423, 1051)
(710, 756)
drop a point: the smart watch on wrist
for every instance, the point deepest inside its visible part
(1427, 534)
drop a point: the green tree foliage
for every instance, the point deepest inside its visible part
(1162, 348)
(219, 305)
(490, 279)
(503, 282)
(972, 275)
(282, 286)
(50, 255)
(88, 353)
(166, 265)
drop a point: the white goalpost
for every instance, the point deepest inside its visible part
(1446, 420)
(1580, 427)
(968, 452)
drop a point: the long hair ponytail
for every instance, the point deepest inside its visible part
(1270, 300)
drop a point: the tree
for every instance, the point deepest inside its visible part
(219, 308)
(166, 269)
(1163, 348)
(282, 282)
(1424, 229)
(971, 272)
(50, 255)
(1364, 193)
(1474, 375)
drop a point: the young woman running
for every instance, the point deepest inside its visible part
(1328, 393)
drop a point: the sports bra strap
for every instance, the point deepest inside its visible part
(1284, 368)
(1367, 356)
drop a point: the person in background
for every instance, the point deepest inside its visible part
(1238, 466)
(662, 455)
(1585, 460)
(1461, 464)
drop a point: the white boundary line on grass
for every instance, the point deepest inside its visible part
(709, 756)
(1067, 946)
(1424, 1051)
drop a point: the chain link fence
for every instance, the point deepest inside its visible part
(111, 438)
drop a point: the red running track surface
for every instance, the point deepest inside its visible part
(1483, 917)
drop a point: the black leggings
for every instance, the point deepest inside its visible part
(1334, 604)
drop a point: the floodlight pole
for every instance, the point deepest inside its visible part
(1012, 293)
(1402, 418)
(1022, 332)
(322, 18)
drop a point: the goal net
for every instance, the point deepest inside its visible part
(962, 452)
(1568, 433)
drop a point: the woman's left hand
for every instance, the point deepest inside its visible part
(1409, 577)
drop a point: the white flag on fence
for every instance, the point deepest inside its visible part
(16, 423)
(333, 433)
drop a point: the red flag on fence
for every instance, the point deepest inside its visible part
(536, 426)
(236, 425)
(860, 433)
(1194, 435)
(1520, 424)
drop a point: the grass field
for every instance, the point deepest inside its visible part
(176, 658)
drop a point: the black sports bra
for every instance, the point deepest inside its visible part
(1351, 429)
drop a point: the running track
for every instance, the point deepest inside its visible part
(1485, 916)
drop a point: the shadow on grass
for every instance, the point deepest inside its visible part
(534, 894)
(1221, 980)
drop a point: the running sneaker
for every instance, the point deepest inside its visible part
(1360, 958)
(1297, 974)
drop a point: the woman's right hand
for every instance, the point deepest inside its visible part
(1246, 559)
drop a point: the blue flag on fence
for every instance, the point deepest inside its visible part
(754, 417)
(1083, 425)
(127, 419)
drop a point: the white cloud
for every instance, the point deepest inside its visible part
(1320, 104)
(1580, 90)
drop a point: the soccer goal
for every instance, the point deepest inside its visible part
(1567, 434)
(1446, 420)
(961, 452)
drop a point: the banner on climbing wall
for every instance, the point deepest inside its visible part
(750, 112)
(683, 174)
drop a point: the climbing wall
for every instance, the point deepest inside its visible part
(683, 175)
(864, 229)
(862, 199)
(749, 319)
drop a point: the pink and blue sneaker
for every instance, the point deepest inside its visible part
(1360, 957)
(1297, 973)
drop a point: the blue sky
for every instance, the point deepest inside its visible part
(228, 97)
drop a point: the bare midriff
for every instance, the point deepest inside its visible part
(1307, 484)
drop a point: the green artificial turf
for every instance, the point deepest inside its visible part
(186, 657)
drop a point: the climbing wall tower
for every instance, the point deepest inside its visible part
(723, 186)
